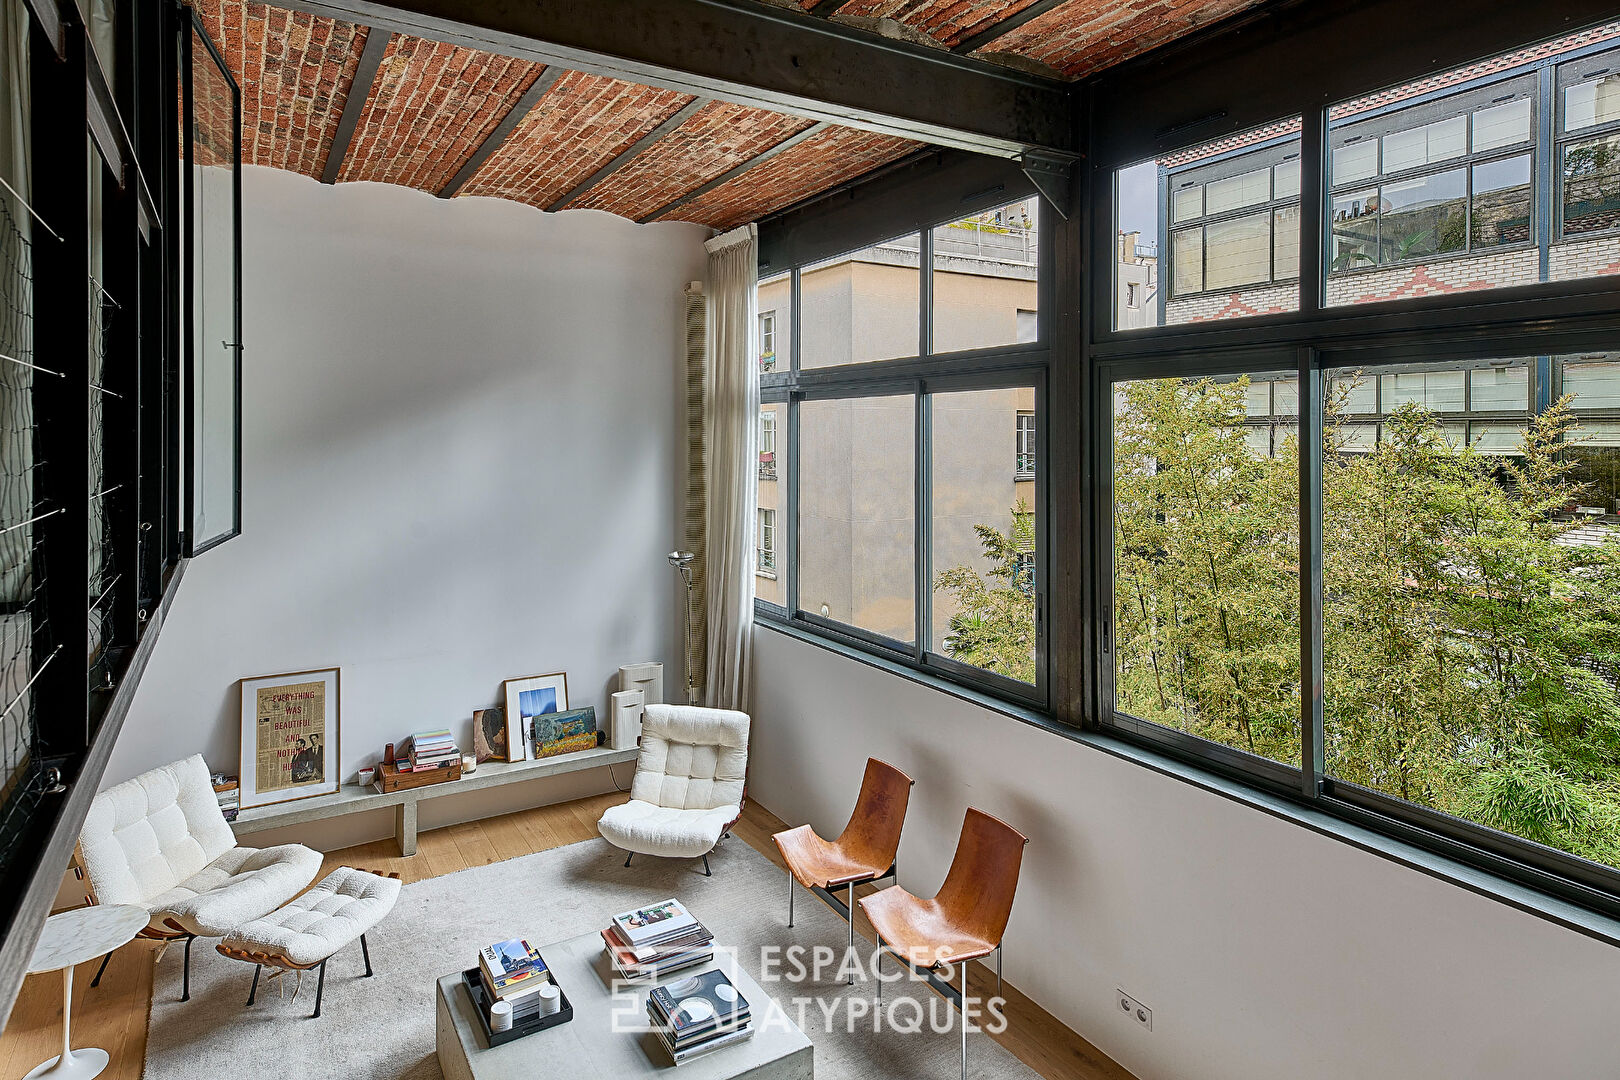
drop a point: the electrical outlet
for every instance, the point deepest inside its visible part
(1134, 1009)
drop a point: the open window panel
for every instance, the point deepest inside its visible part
(1204, 575)
(985, 516)
(211, 258)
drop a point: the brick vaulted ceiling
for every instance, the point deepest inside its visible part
(453, 120)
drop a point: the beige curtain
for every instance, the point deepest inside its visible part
(731, 411)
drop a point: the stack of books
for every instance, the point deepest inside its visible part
(430, 750)
(699, 1015)
(656, 940)
(229, 793)
(512, 971)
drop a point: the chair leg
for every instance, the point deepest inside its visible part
(320, 988)
(185, 976)
(628, 857)
(852, 929)
(101, 970)
(964, 1011)
(365, 952)
(706, 871)
(998, 971)
(253, 991)
(877, 967)
(790, 899)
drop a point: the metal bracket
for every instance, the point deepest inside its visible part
(1052, 176)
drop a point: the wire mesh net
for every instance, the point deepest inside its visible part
(25, 644)
(103, 568)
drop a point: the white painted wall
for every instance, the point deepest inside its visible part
(1265, 950)
(461, 463)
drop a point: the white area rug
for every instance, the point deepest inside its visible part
(383, 1027)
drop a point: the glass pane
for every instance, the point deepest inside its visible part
(1285, 243)
(1187, 261)
(1468, 621)
(213, 289)
(1423, 217)
(1220, 268)
(1500, 389)
(1425, 145)
(1188, 202)
(1205, 565)
(857, 491)
(862, 306)
(1593, 102)
(1591, 175)
(1356, 394)
(1594, 384)
(985, 285)
(1355, 231)
(775, 305)
(982, 529)
(1257, 401)
(1239, 251)
(1502, 125)
(769, 583)
(1233, 192)
(1502, 202)
(1356, 161)
(1437, 391)
(1285, 396)
(1285, 180)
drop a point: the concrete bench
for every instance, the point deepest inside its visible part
(354, 799)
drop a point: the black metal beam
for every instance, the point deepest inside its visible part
(630, 153)
(757, 55)
(531, 97)
(353, 105)
(732, 173)
(1006, 26)
(824, 8)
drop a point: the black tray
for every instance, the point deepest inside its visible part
(475, 990)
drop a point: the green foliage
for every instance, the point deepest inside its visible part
(994, 627)
(1471, 658)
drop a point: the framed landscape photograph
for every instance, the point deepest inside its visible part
(527, 698)
(290, 741)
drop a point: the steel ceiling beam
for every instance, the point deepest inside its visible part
(1005, 26)
(756, 55)
(497, 138)
(630, 153)
(824, 8)
(732, 173)
(355, 103)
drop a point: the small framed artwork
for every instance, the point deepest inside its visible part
(489, 734)
(290, 745)
(527, 698)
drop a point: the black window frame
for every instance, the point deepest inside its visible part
(1017, 364)
(1139, 112)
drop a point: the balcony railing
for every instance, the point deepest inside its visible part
(765, 560)
(1025, 466)
(767, 465)
(767, 362)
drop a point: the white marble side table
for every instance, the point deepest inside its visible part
(70, 938)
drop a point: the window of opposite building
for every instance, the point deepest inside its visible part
(766, 546)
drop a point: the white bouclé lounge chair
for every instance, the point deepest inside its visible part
(159, 841)
(688, 787)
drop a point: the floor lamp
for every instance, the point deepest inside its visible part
(682, 561)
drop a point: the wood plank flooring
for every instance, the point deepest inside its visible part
(113, 1016)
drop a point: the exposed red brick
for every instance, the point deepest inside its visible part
(582, 123)
(429, 108)
(716, 138)
(294, 71)
(820, 162)
(1083, 36)
(948, 22)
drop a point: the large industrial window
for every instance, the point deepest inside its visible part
(1366, 553)
(902, 402)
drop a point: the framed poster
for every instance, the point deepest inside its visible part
(289, 737)
(526, 699)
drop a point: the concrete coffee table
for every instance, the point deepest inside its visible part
(588, 1047)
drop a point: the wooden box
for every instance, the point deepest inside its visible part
(391, 779)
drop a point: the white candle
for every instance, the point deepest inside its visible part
(550, 999)
(500, 1016)
(469, 763)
